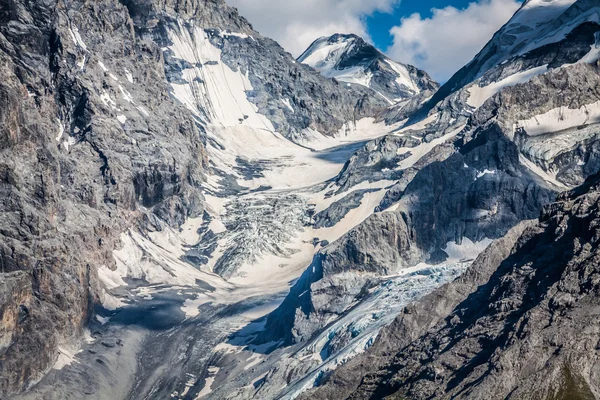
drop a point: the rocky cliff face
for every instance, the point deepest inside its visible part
(534, 338)
(103, 128)
(91, 142)
(348, 58)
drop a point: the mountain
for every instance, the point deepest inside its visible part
(534, 40)
(188, 212)
(462, 173)
(539, 96)
(348, 58)
(122, 121)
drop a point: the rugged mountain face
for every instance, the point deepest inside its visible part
(168, 172)
(110, 120)
(348, 58)
(91, 142)
(486, 155)
(540, 36)
(535, 338)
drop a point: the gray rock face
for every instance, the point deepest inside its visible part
(348, 58)
(91, 142)
(539, 317)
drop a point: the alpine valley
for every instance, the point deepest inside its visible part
(188, 212)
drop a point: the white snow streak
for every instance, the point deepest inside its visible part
(61, 130)
(478, 95)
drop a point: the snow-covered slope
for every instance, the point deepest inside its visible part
(542, 33)
(348, 58)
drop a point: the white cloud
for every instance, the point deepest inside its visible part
(448, 40)
(295, 24)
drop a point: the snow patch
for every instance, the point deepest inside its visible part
(69, 142)
(207, 389)
(128, 75)
(110, 302)
(225, 34)
(416, 153)
(61, 130)
(65, 357)
(190, 306)
(559, 119)
(478, 95)
(203, 92)
(108, 102)
(485, 172)
(77, 38)
(126, 96)
(287, 103)
(143, 110)
(537, 170)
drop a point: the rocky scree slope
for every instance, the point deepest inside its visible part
(348, 58)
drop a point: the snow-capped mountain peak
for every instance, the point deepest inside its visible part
(348, 58)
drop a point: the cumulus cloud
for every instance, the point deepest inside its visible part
(295, 24)
(448, 40)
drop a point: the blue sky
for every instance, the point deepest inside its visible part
(380, 23)
(439, 36)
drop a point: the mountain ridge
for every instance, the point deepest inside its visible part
(348, 58)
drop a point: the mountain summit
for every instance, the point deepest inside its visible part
(348, 58)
